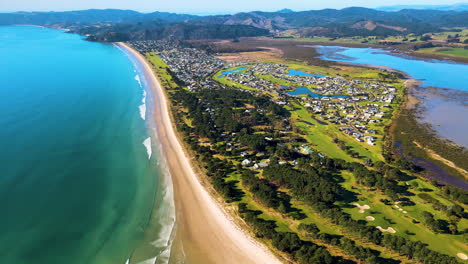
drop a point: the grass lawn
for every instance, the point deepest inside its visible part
(321, 136)
(389, 216)
(223, 80)
(161, 69)
(458, 52)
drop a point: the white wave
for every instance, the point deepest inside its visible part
(144, 97)
(128, 261)
(149, 261)
(147, 144)
(137, 78)
(165, 210)
(143, 111)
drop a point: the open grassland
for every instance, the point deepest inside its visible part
(403, 218)
(286, 223)
(162, 71)
(458, 52)
(321, 137)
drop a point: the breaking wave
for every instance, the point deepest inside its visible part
(137, 78)
(163, 230)
(143, 111)
(147, 144)
(143, 106)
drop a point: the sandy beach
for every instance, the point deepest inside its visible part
(205, 233)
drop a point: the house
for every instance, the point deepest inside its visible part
(306, 149)
(260, 165)
(246, 162)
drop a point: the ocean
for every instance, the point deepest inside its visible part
(79, 174)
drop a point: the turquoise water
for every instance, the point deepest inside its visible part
(301, 73)
(305, 90)
(76, 182)
(233, 71)
(437, 73)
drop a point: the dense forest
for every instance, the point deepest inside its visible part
(157, 30)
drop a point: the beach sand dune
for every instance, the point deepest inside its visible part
(205, 233)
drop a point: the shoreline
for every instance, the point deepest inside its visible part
(413, 101)
(205, 232)
(395, 49)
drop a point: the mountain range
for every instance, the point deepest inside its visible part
(112, 24)
(454, 7)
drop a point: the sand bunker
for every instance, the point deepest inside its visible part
(405, 212)
(389, 230)
(397, 207)
(462, 256)
(370, 218)
(362, 208)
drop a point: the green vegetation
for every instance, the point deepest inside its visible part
(163, 71)
(459, 52)
(267, 159)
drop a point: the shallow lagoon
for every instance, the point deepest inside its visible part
(444, 109)
(447, 118)
(437, 73)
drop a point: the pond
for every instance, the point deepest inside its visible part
(305, 90)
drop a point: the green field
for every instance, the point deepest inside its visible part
(458, 52)
(401, 222)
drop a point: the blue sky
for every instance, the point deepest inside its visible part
(201, 6)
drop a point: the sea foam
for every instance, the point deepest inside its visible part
(165, 210)
(143, 111)
(143, 106)
(137, 78)
(147, 144)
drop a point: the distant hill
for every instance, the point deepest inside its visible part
(341, 21)
(353, 21)
(88, 17)
(286, 10)
(156, 30)
(454, 7)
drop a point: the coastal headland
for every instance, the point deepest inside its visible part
(204, 231)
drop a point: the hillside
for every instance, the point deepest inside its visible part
(157, 30)
(353, 21)
(454, 7)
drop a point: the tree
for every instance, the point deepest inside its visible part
(425, 38)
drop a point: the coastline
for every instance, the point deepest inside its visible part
(205, 233)
(395, 49)
(438, 166)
